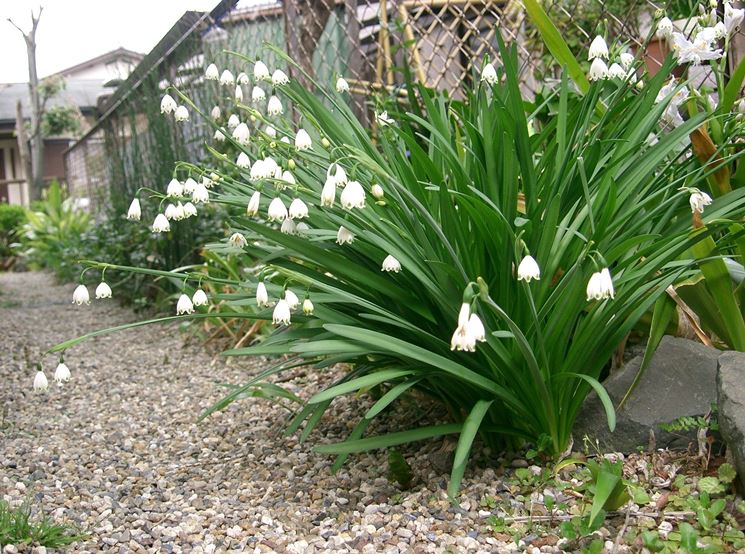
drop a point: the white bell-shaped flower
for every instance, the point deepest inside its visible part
(257, 95)
(292, 300)
(600, 286)
(308, 307)
(103, 290)
(62, 373)
(342, 85)
(288, 227)
(271, 131)
(190, 210)
(238, 95)
(242, 78)
(528, 270)
(243, 160)
(134, 212)
(279, 78)
(353, 196)
(328, 192)
(261, 71)
(302, 140)
(237, 240)
(161, 224)
(598, 70)
(168, 104)
(383, 119)
(664, 28)
(489, 74)
(253, 204)
(175, 189)
(598, 48)
(179, 213)
(219, 136)
(339, 174)
(233, 121)
(281, 315)
(258, 171)
(698, 200)
(274, 106)
(277, 210)
(227, 78)
(241, 134)
(288, 178)
(344, 236)
(184, 305)
(377, 191)
(298, 209)
(189, 185)
(271, 167)
(301, 228)
(216, 112)
(181, 114)
(41, 383)
(615, 71)
(200, 298)
(476, 328)
(626, 59)
(212, 73)
(200, 194)
(262, 297)
(391, 264)
(463, 339)
(80, 295)
(170, 211)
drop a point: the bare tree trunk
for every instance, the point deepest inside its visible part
(36, 177)
(22, 140)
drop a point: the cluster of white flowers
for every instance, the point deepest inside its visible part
(469, 331)
(679, 96)
(621, 69)
(61, 375)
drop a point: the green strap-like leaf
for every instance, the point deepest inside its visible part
(610, 413)
(360, 383)
(470, 428)
(392, 439)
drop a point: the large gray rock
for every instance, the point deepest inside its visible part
(680, 381)
(731, 403)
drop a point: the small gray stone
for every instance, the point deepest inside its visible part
(731, 402)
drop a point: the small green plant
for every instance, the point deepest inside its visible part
(18, 526)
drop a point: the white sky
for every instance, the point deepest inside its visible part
(72, 31)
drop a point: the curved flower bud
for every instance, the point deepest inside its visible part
(328, 192)
(377, 192)
(238, 93)
(308, 307)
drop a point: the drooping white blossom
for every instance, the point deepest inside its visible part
(476, 328)
(279, 78)
(288, 227)
(189, 210)
(339, 174)
(664, 28)
(62, 373)
(184, 305)
(302, 140)
(598, 49)
(698, 200)
(261, 71)
(200, 298)
(301, 228)
(463, 339)
(274, 106)
(237, 240)
(41, 383)
(134, 212)
(344, 236)
(271, 166)
(342, 85)
(161, 224)
(615, 71)
(80, 295)
(168, 104)
(292, 300)
(189, 185)
(328, 192)
(253, 204)
(212, 73)
(258, 170)
(377, 191)
(308, 307)
(288, 177)
(103, 290)
(281, 315)
(383, 119)
(353, 196)
(238, 93)
(271, 131)
(298, 209)
(600, 286)
(200, 194)
(528, 270)
(175, 188)
(262, 297)
(626, 60)
(216, 112)
(227, 78)
(489, 74)
(391, 264)
(242, 78)
(277, 210)
(257, 95)
(241, 134)
(170, 211)
(181, 114)
(233, 121)
(598, 70)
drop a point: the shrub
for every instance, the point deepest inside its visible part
(440, 210)
(11, 219)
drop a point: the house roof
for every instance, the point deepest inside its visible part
(83, 93)
(113, 55)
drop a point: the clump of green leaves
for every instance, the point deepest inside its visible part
(399, 469)
(18, 526)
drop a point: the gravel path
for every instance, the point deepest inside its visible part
(117, 450)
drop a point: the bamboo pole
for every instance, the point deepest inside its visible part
(409, 36)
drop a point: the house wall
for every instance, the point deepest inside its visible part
(11, 170)
(118, 69)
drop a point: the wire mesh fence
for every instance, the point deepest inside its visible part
(441, 42)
